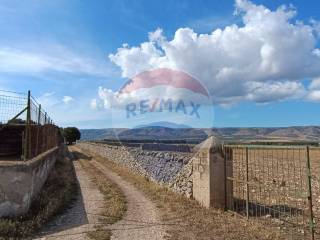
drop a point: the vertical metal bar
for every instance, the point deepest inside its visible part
(39, 114)
(301, 187)
(27, 129)
(45, 118)
(310, 193)
(247, 182)
(39, 124)
(256, 179)
(225, 177)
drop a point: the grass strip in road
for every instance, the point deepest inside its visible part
(114, 202)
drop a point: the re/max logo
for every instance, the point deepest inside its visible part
(160, 105)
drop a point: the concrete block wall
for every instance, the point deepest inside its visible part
(20, 182)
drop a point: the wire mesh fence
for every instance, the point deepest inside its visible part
(277, 184)
(26, 130)
(14, 109)
(11, 104)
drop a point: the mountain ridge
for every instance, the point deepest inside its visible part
(269, 133)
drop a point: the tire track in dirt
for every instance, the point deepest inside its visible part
(141, 220)
(83, 214)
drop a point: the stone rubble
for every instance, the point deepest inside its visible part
(170, 169)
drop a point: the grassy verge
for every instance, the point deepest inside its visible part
(114, 202)
(57, 194)
(186, 219)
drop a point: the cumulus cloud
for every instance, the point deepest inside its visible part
(263, 60)
(314, 90)
(315, 84)
(314, 96)
(263, 92)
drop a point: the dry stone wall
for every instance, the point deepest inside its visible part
(172, 169)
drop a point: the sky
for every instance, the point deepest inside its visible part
(259, 60)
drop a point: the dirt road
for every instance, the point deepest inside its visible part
(141, 220)
(82, 216)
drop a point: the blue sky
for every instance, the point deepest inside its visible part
(60, 51)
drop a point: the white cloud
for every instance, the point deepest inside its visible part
(156, 35)
(314, 96)
(109, 99)
(52, 58)
(78, 113)
(314, 90)
(67, 99)
(48, 99)
(264, 60)
(48, 94)
(266, 92)
(94, 103)
(315, 84)
(99, 103)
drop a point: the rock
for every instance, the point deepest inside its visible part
(172, 169)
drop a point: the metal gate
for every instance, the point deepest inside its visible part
(276, 184)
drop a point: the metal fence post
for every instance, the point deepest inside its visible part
(27, 130)
(247, 182)
(39, 114)
(310, 193)
(225, 178)
(38, 129)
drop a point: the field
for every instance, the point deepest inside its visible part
(272, 183)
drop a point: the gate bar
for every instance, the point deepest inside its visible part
(247, 182)
(310, 193)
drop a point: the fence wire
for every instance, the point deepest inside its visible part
(11, 104)
(38, 116)
(275, 184)
(26, 130)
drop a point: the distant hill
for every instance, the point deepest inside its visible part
(163, 133)
(309, 133)
(163, 124)
(98, 134)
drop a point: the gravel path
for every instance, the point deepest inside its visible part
(82, 216)
(141, 220)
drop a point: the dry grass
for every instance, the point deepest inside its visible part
(278, 186)
(186, 219)
(57, 194)
(114, 202)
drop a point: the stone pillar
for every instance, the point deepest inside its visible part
(201, 178)
(209, 182)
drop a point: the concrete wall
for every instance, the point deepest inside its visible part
(21, 181)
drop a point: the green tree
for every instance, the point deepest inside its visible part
(71, 134)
